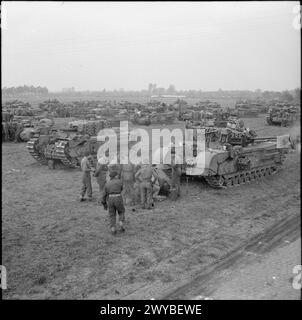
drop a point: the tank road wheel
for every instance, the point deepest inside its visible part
(248, 177)
(33, 150)
(244, 178)
(235, 181)
(229, 182)
(241, 179)
(274, 170)
(259, 174)
(220, 181)
(216, 182)
(268, 171)
(252, 175)
(263, 172)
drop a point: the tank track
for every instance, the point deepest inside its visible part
(32, 150)
(60, 153)
(240, 178)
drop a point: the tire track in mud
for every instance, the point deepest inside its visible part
(288, 229)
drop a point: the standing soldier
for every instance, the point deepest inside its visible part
(19, 129)
(114, 167)
(127, 176)
(136, 187)
(101, 174)
(86, 178)
(11, 130)
(113, 201)
(155, 184)
(175, 179)
(145, 175)
(5, 131)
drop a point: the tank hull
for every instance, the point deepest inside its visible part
(240, 165)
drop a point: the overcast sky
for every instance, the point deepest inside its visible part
(193, 45)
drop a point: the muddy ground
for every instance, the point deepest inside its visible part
(268, 277)
(55, 247)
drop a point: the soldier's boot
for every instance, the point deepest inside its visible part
(113, 230)
(121, 226)
(82, 198)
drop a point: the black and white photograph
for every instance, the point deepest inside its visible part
(151, 151)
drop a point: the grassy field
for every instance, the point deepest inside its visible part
(55, 247)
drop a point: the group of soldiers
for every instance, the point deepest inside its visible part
(129, 183)
(11, 131)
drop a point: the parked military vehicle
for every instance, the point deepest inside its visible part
(237, 158)
(13, 126)
(149, 117)
(185, 115)
(282, 115)
(245, 109)
(206, 119)
(259, 105)
(141, 119)
(64, 145)
(226, 157)
(163, 118)
(221, 119)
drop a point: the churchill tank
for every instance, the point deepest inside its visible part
(64, 145)
(237, 158)
(67, 145)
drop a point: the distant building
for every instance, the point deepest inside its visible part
(151, 88)
(159, 91)
(68, 89)
(171, 89)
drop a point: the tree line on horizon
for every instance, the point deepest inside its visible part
(286, 95)
(24, 90)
